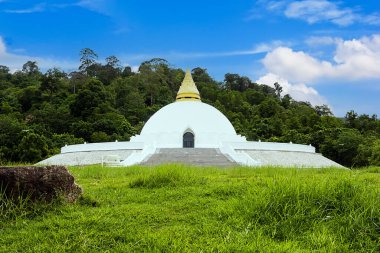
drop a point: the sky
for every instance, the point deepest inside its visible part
(320, 51)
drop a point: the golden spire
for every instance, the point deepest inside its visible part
(188, 90)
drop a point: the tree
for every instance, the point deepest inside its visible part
(363, 156)
(99, 137)
(33, 148)
(52, 80)
(286, 101)
(197, 72)
(28, 97)
(107, 73)
(127, 71)
(154, 78)
(88, 99)
(375, 154)
(278, 89)
(77, 79)
(351, 117)
(113, 62)
(10, 136)
(82, 129)
(4, 73)
(88, 58)
(323, 110)
(30, 68)
(235, 82)
(5, 77)
(269, 107)
(347, 145)
(60, 140)
(4, 70)
(153, 65)
(55, 119)
(132, 106)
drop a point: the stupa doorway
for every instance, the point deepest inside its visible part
(188, 140)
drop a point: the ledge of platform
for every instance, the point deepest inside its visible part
(102, 146)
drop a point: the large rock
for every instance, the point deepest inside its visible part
(39, 183)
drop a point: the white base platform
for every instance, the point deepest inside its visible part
(243, 153)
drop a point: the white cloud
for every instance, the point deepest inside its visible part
(321, 41)
(37, 8)
(372, 19)
(99, 6)
(299, 92)
(295, 66)
(134, 68)
(317, 11)
(258, 49)
(357, 59)
(2, 46)
(15, 61)
(174, 55)
(313, 11)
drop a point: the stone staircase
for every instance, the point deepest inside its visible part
(192, 156)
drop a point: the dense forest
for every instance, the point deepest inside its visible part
(41, 112)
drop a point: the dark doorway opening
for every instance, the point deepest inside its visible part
(188, 140)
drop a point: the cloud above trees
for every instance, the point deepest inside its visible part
(318, 11)
(299, 92)
(15, 61)
(356, 59)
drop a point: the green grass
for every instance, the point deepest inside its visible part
(177, 208)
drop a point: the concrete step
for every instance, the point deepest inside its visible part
(192, 156)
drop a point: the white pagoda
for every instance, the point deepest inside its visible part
(190, 131)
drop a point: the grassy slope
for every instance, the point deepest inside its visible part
(178, 208)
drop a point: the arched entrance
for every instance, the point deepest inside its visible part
(188, 140)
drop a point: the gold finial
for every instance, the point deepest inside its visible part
(188, 90)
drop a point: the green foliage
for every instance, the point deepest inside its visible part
(52, 81)
(10, 135)
(108, 102)
(88, 59)
(60, 140)
(33, 148)
(375, 154)
(174, 208)
(89, 98)
(347, 145)
(82, 129)
(99, 137)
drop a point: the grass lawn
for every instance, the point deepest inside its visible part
(175, 208)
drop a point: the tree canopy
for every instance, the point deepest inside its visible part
(41, 112)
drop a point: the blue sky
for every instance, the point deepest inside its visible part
(322, 51)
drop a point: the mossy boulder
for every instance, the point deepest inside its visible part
(38, 183)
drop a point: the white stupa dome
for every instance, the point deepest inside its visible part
(167, 127)
(197, 117)
(209, 126)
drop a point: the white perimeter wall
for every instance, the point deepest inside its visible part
(102, 146)
(273, 146)
(167, 141)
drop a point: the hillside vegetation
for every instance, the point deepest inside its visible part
(41, 112)
(174, 208)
